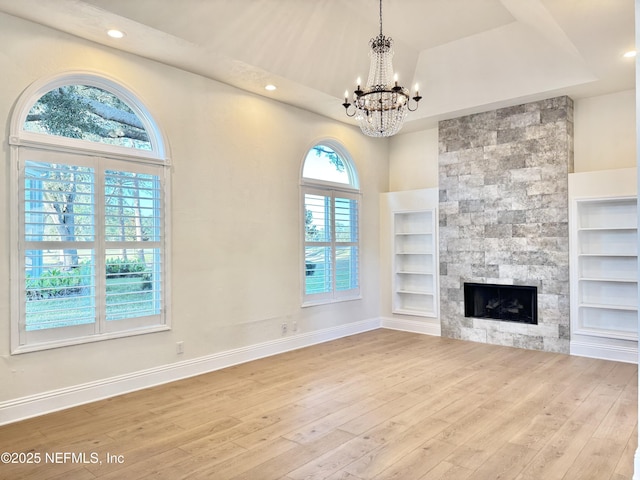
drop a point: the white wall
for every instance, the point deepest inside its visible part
(236, 246)
(605, 132)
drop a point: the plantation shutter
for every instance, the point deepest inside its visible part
(331, 245)
(58, 248)
(91, 254)
(346, 244)
(133, 235)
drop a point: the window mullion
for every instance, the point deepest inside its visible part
(332, 220)
(99, 252)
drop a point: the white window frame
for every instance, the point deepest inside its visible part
(331, 190)
(34, 146)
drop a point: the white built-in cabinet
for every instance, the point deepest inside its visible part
(414, 263)
(607, 242)
(409, 260)
(604, 265)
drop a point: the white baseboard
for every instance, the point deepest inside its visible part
(604, 352)
(427, 327)
(54, 400)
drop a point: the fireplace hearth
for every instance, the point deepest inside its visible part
(509, 303)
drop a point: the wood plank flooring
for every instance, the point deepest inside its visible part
(379, 405)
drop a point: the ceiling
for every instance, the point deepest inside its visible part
(466, 55)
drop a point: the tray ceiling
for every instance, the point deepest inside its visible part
(467, 55)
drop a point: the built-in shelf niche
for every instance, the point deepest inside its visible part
(414, 263)
(603, 234)
(606, 255)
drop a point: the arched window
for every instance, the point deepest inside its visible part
(330, 200)
(89, 217)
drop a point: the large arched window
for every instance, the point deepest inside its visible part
(330, 200)
(89, 227)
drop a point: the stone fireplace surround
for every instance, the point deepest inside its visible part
(503, 214)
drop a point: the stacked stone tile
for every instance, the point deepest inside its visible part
(503, 180)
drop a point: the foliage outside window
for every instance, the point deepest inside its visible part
(331, 233)
(87, 113)
(91, 227)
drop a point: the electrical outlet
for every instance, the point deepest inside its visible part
(284, 329)
(179, 348)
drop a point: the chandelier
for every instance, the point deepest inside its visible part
(382, 106)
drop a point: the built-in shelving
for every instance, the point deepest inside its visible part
(414, 263)
(606, 259)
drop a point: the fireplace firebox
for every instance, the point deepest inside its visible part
(510, 303)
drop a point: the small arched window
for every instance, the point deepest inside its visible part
(90, 210)
(331, 203)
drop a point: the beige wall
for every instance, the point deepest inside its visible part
(236, 246)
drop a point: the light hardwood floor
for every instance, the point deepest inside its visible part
(379, 405)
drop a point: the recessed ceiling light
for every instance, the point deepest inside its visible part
(630, 54)
(270, 87)
(113, 33)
